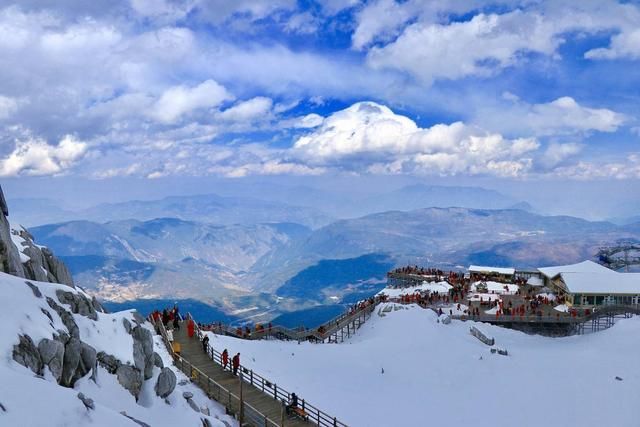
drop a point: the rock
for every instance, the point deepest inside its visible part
(446, 319)
(97, 306)
(34, 289)
(88, 403)
(137, 317)
(88, 361)
(206, 422)
(143, 350)
(205, 410)
(57, 268)
(618, 378)
(26, 353)
(66, 317)
(79, 303)
(2, 408)
(46, 313)
(187, 395)
(183, 382)
(166, 383)
(126, 324)
(140, 423)
(482, 337)
(193, 405)
(157, 361)
(108, 362)
(9, 255)
(52, 354)
(130, 378)
(72, 355)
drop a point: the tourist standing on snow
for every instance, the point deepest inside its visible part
(236, 363)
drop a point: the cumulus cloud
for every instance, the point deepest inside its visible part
(249, 110)
(623, 45)
(179, 100)
(368, 137)
(36, 157)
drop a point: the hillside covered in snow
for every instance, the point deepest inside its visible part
(64, 361)
(404, 367)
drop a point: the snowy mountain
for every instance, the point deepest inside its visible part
(404, 367)
(67, 362)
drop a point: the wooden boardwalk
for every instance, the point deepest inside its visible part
(262, 401)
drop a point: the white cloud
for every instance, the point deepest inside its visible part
(252, 109)
(36, 157)
(623, 45)
(368, 137)
(179, 100)
(556, 154)
(7, 106)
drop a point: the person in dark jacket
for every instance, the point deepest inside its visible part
(205, 343)
(235, 363)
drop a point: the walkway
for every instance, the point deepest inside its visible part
(264, 403)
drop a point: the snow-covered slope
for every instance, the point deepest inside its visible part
(437, 374)
(59, 316)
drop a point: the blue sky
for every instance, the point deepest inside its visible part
(520, 91)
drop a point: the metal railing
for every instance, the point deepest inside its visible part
(314, 414)
(232, 403)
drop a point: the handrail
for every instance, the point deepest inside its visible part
(315, 415)
(230, 397)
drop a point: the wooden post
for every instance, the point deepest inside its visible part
(282, 414)
(241, 400)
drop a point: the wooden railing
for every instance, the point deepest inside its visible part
(316, 416)
(233, 403)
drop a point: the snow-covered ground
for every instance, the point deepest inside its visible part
(441, 288)
(436, 374)
(496, 288)
(28, 400)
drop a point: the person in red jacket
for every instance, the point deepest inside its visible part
(190, 328)
(236, 363)
(225, 358)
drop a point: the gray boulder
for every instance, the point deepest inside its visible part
(166, 383)
(57, 268)
(78, 303)
(126, 324)
(157, 361)
(72, 356)
(88, 403)
(9, 255)
(193, 405)
(130, 378)
(34, 289)
(108, 362)
(88, 361)
(52, 354)
(97, 306)
(26, 353)
(143, 350)
(187, 395)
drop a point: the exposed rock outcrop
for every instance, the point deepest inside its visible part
(52, 354)
(26, 353)
(130, 378)
(79, 304)
(143, 350)
(9, 255)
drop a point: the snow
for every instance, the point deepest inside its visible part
(18, 243)
(602, 283)
(496, 288)
(486, 270)
(433, 287)
(581, 267)
(441, 375)
(33, 401)
(535, 281)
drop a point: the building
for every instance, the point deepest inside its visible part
(495, 273)
(583, 284)
(588, 284)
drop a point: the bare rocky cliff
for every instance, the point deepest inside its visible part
(21, 256)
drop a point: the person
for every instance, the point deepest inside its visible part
(205, 343)
(236, 363)
(225, 358)
(165, 317)
(170, 335)
(176, 323)
(191, 328)
(293, 403)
